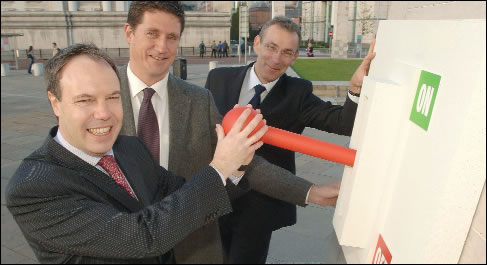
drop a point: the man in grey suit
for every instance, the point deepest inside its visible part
(90, 195)
(186, 115)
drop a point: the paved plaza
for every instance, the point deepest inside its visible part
(26, 118)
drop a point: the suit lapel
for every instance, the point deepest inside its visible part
(131, 172)
(234, 87)
(179, 109)
(128, 123)
(59, 155)
(274, 98)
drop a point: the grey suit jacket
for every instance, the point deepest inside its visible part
(193, 116)
(71, 212)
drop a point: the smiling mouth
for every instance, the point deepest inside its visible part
(275, 69)
(157, 58)
(99, 131)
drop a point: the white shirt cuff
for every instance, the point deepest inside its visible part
(353, 98)
(235, 180)
(307, 195)
(221, 176)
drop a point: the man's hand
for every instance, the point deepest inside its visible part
(251, 156)
(236, 147)
(325, 195)
(362, 70)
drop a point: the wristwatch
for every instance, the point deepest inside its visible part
(353, 94)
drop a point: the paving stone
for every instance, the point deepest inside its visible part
(12, 257)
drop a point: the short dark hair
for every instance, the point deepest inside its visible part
(55, 65)
(283, 22)
(138, 8)
(54, 43)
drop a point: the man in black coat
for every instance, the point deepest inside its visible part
(90, 195)
(287, 103)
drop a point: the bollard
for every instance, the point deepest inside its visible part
(38, 69)
(213, 65)
(180, 68)
(5, 69)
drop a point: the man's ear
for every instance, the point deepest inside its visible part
(257, 44)
(295, 56)
(55, 103)
(129, 33)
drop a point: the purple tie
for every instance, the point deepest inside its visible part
(148, 128)
(110, 165)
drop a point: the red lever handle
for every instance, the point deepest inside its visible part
(293, 141)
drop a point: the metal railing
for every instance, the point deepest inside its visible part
(45, 54)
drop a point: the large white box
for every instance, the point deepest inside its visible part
(415, 186)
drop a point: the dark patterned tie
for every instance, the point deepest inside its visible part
(255, 101)
(148, 128)
(109, 164)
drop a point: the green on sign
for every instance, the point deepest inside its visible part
(425, 99)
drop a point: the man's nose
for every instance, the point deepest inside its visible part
(102, 111)
(161, 45)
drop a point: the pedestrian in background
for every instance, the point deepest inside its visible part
(242, 47)
(309, 49)
(225, 48)
(220, 49)
(213, 49)
(202, 49)
(55, 49)
(30, 55)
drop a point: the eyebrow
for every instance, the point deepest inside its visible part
(152, 29)
(89, 96)
(157, 30)
(285, 50)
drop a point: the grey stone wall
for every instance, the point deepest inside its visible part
(104, 29)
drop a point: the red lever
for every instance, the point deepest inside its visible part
(293, 141)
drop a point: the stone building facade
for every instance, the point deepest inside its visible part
(99, 22)
(351, 20)
(259, 14)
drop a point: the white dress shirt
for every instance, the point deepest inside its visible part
(92, 160)
(251, 80)
(160, 103)
(161, 107)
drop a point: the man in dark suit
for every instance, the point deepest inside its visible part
(186, 115)
(88, 195)
(287, 103)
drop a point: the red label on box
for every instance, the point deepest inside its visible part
(382, 254)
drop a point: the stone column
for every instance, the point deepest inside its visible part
(106, 6)
(120, 6)
(278, 8)
(73, 5)
(339, 46)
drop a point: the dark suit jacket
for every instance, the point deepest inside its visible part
(192, 141)
(71, 212)
(291, 106)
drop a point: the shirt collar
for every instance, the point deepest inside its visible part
(254, 80)
(92, 160)
(136, 85)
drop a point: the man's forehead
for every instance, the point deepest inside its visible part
(81, 61)
(149, 19)
(83, 64)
